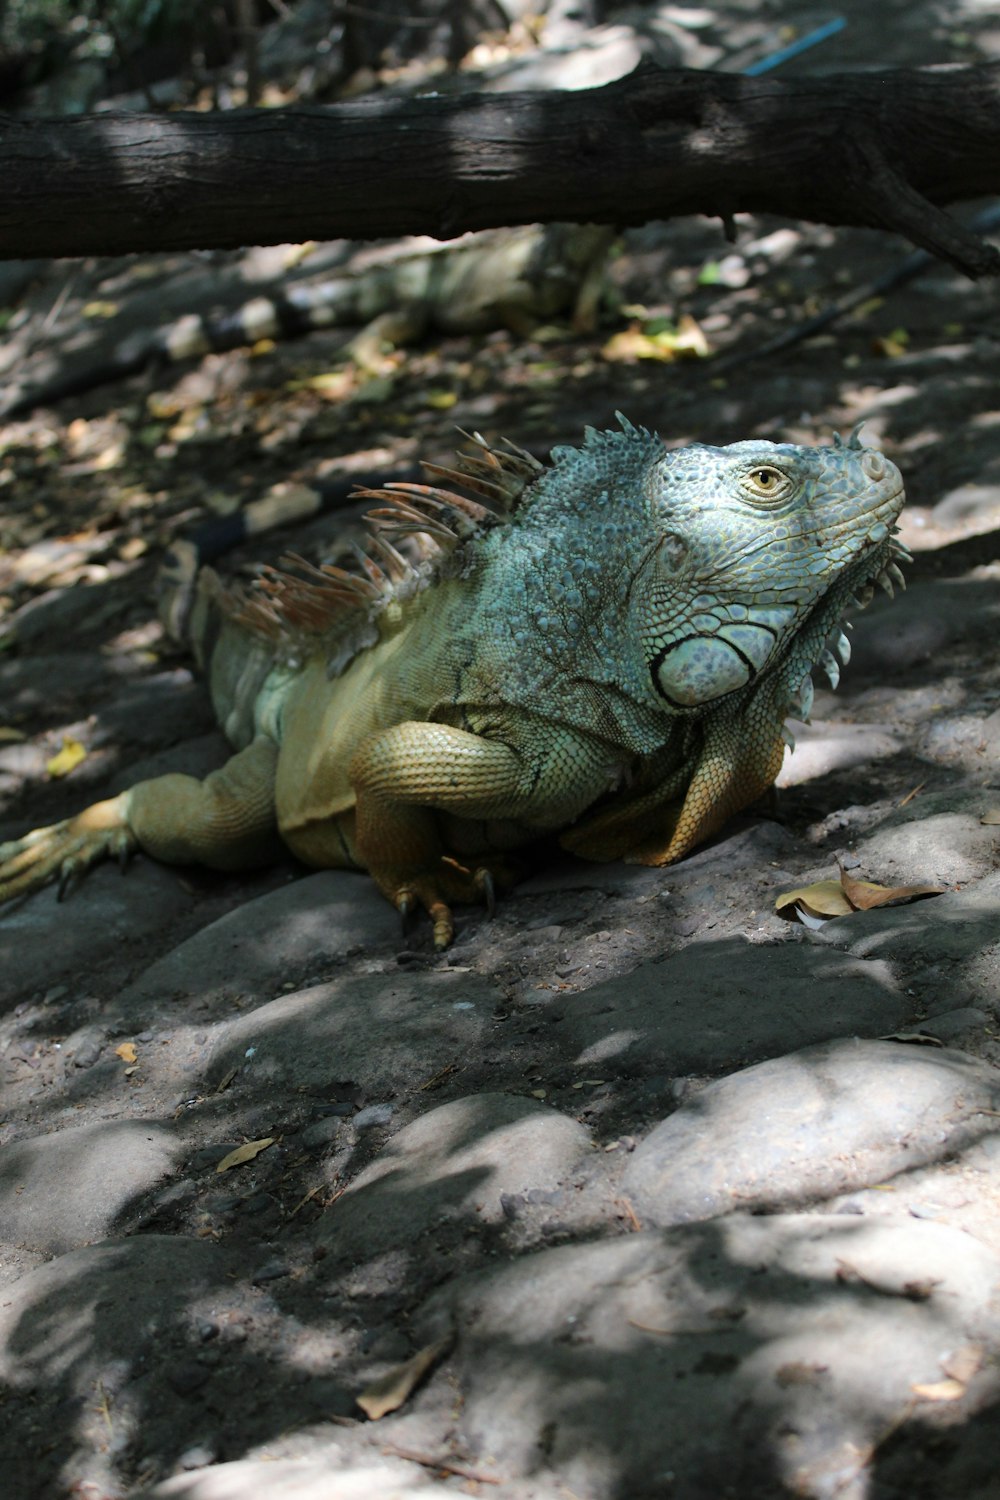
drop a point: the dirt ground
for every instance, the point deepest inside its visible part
(640, 1189)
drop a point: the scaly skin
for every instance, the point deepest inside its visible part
(611, 657)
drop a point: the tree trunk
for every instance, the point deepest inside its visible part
(874, 148)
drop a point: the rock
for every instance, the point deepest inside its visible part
(106, 917)
(803, 1127)
(949, 1024)
(822, 747)
(715, 1004)
(955, 933)
(297, 1479)
(254, 948)
(67, 1189)
(460, 1159)
(614, 1367)
(319, 1035)
(98, 1330)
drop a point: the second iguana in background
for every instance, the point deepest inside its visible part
(606, 647)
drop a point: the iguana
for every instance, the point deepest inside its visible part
(497, 278)
(605, 646)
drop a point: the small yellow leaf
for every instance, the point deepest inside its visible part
(244, 1153)
(991, 817)
(66, 759)
(441, 400)
(100, 309)
(127, 1052)
(390, 1391)
(939, 1390)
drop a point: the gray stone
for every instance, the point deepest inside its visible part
(825, 746)
(114, 1296)
(940, 840)
(948, 1024)
(956, 931)
(801, 1128)
(254, 948)
(109, 916)
(716, 1004)
(460, 1159)
(369, 1478)
(312, 1037)
(321, 1132)
(613, 1368)
(67, 1189)
(379, 1114)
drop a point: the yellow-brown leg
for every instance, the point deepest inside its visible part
(405, 775)
(226, 822)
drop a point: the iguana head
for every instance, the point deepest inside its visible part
(759, 548)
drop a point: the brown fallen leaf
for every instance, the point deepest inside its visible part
(825, 899)
(243, 1153)
(865, 894)
(127, 1052)
(390, 1390)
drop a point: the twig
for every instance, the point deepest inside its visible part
(900, 274)
(443, 1465)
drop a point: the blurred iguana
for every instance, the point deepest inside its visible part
(499, 278)
(606, 646)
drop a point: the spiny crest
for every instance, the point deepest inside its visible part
(318, 601)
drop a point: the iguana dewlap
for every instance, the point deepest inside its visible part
(606, 646)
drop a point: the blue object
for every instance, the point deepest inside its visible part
(802, 44)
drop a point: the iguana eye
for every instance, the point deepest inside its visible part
(766, 485)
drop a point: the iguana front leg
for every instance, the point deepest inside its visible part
(732, 768)
(226, 822)
(405, 775)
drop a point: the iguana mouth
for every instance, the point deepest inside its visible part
(822, 642)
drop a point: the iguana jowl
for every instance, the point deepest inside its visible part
(606, 646)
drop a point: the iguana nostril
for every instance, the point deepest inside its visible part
(873, 465)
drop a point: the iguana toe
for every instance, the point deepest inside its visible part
(65, 851)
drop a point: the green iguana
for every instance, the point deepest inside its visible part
(498, 278)
(606, 646)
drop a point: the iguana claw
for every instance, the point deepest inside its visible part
(484, 880)
(65, 851)
(451, 883)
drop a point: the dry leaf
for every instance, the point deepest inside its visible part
(390, 1391)
(824, 898)
(939, 1390)
(66, 759)
(991, 817)
(127, 1052)
(865, 894)
(243, 1153)
(11, 736)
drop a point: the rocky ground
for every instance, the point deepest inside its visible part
(641, 1189)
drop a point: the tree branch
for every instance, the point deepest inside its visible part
(883, 149)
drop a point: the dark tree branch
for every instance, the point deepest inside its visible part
(881, 149)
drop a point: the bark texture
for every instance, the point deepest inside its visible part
(884, 149)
